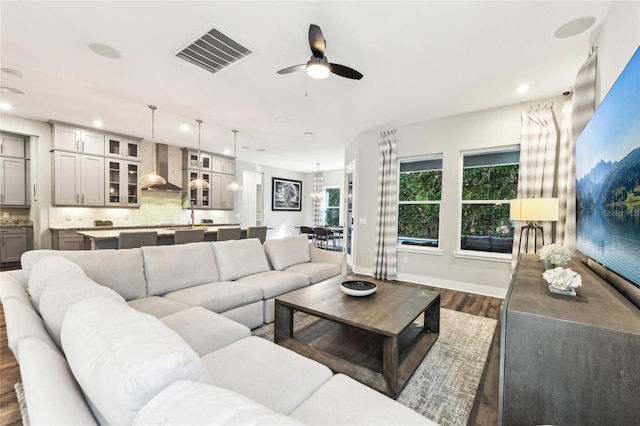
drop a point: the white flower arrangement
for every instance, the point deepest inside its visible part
(562, 279)
(555, 254)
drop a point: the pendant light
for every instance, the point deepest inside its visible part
(198, 182)
(234, 186)
(151, 178)
(318, 185)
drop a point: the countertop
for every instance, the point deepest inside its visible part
(158, 226)
(111, 234)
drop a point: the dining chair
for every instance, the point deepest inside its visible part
(135, 239)
(309, 231)
(183, 236)
(259, 232)
(323, 235)
(225, 234)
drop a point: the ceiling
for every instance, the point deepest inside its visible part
(420, 60)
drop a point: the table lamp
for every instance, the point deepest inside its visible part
(533, 210)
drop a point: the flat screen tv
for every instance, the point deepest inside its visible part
(608, 181)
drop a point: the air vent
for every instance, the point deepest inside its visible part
(214, 51)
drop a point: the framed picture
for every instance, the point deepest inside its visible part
(286, 195)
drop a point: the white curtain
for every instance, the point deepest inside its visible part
(317, 197)
(536, 179)
(576, 113)
(387, 211)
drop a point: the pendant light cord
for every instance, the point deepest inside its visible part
(153, 138)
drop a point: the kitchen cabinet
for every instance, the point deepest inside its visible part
(116, 146)
(224, 165)
(13, 242)
(221, 199)
(13, 181)
(78, 140)
(200, 197)
(78, 179)
(191, 160)
(12, 146)
(121, 179)
(68, 240)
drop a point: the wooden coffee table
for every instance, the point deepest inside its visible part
(373, 339)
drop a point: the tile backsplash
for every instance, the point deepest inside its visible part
(156, 208)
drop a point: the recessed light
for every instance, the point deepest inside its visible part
(11, 90)
(12, 72)
(104, 50)
(575, 27)
(245, 147)
(97, 123)
(227, 151)
(260, 149)
(5, 106)
(185, 127)
(522, 88)
(282, 120)
(309, 134)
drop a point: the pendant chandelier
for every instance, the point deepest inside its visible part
(151, 178)
(234, 186)
(318, 185)
(198, 182)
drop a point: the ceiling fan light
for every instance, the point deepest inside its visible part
(318, 68)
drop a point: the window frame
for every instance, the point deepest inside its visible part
(477, 254)
(416, 248)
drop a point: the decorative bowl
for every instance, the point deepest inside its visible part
(358, 288)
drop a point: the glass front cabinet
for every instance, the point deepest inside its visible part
(122, 183)
(123, 148)
(199, 197)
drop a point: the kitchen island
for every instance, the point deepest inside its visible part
(108, 238)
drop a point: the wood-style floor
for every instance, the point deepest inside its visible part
(485, 407)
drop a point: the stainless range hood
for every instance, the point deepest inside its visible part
(162, 168)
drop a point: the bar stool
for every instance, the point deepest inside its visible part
(184, 236)
(259, 232)
(135, 239)
(225, 234)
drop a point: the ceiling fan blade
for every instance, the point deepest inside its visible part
(346, 72)
(317, 42)
(292, 69)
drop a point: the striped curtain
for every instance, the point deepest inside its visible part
(576, 113)
(317, 197)
(387, 211)
(537, 172)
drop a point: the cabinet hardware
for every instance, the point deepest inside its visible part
(77, 198)
(82, 146)
(77, 145)
(82, 198)
(1, 149)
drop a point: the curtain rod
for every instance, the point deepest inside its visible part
(387, 133)
(593, 51)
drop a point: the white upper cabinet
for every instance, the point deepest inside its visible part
(12, 146)
(78, 180)
(13, 181)
(78, 140)
(224, 165)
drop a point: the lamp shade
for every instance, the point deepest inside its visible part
(534, 209)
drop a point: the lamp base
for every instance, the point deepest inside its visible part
(529, 227)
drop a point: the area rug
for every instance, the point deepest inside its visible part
(444, 386)
(22, 403)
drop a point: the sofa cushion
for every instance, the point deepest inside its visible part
(267, 373)
(275, 283)
(53, 393)
(287, 251)
(13, 288)
(123, 358)
(174, 267)
(157, 306)
(47, 267)
(62, 292)
(239, 258)
(192, 403)
(205, 331)
(23, 322)
(352, 402)
(120, 270)
(217, 297)
(316, 271)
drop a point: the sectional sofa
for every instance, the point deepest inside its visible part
(162, 335)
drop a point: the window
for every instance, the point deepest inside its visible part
(420, 189)
(332, 206)
(489, 181)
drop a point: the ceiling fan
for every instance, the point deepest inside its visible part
(318, 66)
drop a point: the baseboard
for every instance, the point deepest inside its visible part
(454, 285)
(439, 282)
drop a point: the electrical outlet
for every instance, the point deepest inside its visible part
(405, 259)
(5, 215)
(67, 217)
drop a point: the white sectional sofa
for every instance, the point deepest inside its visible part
(161, 335)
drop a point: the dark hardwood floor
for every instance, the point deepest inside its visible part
(485, 407)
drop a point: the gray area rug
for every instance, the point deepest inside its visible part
(444, 386)
(22, 403)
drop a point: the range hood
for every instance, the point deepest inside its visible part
(162, 168)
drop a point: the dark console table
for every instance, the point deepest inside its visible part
(568, 360)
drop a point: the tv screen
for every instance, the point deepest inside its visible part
(608, 178)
